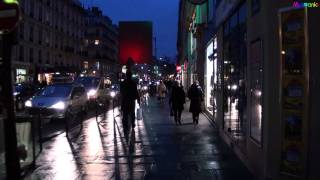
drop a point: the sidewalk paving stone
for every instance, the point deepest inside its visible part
(156, 149)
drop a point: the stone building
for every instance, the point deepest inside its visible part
(101, 43)
(50, 39)
(261, 79)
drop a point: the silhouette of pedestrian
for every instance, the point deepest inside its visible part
(162, 90)
(129, 94)
(176, 101)
(195, 94)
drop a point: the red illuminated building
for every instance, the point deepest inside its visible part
(135, 41)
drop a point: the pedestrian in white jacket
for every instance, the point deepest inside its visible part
(162, 90)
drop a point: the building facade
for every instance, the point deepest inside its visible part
(102, 44)
(50, 38)
(263, 59)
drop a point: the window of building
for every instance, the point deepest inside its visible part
(40, 56)
(211, 10)
(21, 30)
(40, 13)
(47, 58)
(47, 38)
(31, 55)
(86, 65)
(21, 53)
(234, 20)
(47, 18)
(21, 75)
(40, 35)
(32, 9)
(242, 14)
(31, 33)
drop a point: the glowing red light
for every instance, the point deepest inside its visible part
(178, 68)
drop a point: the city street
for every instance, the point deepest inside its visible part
(155, 149)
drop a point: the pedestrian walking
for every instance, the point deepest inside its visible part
(195, 94)
(176, 101)
(162, 90)
(129, 95)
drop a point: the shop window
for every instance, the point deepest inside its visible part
(211, 10)
(235, 81)
(226, 29)
(256, 71)
(243, 14)
(234, 21)
(211, 77)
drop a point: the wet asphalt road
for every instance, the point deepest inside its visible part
(156, 149)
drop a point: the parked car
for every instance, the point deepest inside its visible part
(58, 101)
(23, 92)
(95, 88)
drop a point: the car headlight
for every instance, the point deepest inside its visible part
(59, 105)
(92, 92)
(28, 103)
(112, 94)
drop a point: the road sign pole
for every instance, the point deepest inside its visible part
(11, 152)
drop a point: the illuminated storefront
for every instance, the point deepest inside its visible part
(211, 77)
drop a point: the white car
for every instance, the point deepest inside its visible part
(58, 101)
(95, 89)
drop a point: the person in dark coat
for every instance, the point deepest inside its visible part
(176, 101)
(195, 94)
(129, 95)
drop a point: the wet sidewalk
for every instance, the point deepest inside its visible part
(156, 149)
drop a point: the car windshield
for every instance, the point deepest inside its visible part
(88, 82)
(56, 91)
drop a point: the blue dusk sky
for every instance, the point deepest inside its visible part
(163, 14)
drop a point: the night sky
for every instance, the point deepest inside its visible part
(163, 14)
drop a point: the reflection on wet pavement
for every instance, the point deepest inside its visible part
(155, 149)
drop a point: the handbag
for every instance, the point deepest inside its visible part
(139, 114)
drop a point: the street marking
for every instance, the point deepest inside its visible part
(8, 13)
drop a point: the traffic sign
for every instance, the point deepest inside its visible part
(9, 15)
